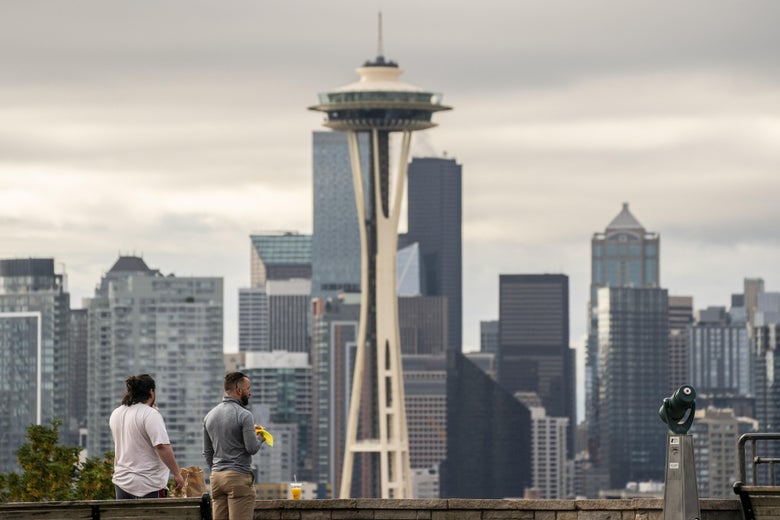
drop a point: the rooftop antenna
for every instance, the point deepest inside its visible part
(380, 50)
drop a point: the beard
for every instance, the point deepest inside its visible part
(244, 400)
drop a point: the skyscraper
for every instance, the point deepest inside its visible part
(281, 387)
(680, 319)
(280, 256)
(422, 322)
(425, 384)
(171, 328)
(624, 255)
(717, 431)
(288, 314)
(253, 319)
(533, 342)
(435, 216)
(336, 235)
(548, 453)
(273, 312)
(488, 336)
(34, 353)
(334, 339)
(633, 337)
(77, 372)
(377, 106)
(720, 359)
(488, 436)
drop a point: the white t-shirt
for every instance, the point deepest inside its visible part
(137, 429)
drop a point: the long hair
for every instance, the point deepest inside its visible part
(139, 389)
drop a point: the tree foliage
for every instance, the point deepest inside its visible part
(53, 472)
(94, 482)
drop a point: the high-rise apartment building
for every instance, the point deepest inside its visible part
(77, 372)
(34, 352)
(288, 314)
(680, 319)
(435, 222)
(334, 339)
(425, 391)
(623, 255)
(169, 327)
(716, 432)
(533, 342)
(550, 473)
(253, 319)
(720, 361)
(633, 339)
(281, 390)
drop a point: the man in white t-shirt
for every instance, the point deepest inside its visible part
(143, 456)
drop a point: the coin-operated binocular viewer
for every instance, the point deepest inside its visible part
(681, 496)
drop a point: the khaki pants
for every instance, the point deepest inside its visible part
(232, 495)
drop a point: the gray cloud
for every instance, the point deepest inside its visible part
(176, 128)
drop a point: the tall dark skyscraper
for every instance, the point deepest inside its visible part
(488, 436)
(633, 341)
(435, 215)
(533, 342)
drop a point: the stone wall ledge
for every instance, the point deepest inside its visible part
(379, 509)
(611, 504)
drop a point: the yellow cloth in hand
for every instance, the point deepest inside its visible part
(267, 437)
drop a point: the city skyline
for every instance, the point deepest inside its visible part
(176, 130)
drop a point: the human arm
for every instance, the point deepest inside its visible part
(208, 448)
(165, 452)
(251, 442)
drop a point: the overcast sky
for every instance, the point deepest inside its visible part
(175, 128)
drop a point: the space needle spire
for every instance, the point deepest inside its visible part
(379, 50)
(377, 105)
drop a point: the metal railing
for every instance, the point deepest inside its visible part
(756, 459)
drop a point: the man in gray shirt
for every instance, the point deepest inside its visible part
(229, 441)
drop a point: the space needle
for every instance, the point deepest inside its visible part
(378, 105)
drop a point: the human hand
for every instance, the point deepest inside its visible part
(258, 433)
(178, 480)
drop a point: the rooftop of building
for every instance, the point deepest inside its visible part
(133, 264)
(284, 248)
(625, 220)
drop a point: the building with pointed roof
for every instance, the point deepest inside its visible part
(624, 255)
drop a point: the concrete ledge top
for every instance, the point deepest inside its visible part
(497, 504)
